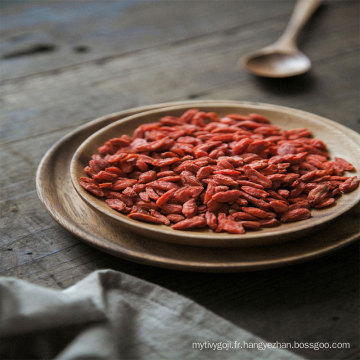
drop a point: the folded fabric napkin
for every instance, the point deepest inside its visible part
(111, 315)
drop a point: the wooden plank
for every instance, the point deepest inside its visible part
(46, 103)
(76, 32)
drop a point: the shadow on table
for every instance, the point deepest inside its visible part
(287, 86)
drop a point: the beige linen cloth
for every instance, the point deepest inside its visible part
(111, 315)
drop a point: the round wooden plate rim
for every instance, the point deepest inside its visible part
(207, 238)
(149, 259)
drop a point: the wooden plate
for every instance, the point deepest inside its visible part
(67, 208)
(338, 142)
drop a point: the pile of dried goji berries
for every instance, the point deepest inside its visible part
(230, 174)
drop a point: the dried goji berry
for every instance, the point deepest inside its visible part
(171, 208)
(211, 220)
(189, 208)
(195, 222)
(257, 177)
(116, 204)
(318, 193)
(233, 227)
(325, 203)
(344, 164)
(224, 180)
(204, 172)
(279, 206)
(145, 217)
(255, 192)
(243, 216)
(269, 223)
(175, 218)
(93, 188)
(296, 215)
(161, 217)
(349, 185)
(226, 196)
(163, 199)
(151, 193)
(261, 214)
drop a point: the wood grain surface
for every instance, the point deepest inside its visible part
(66, 63)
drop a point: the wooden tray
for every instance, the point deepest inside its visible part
(69, 210)
(338, 144)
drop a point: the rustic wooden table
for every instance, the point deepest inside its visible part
(65, 63)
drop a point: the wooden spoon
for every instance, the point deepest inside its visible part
(283, 58)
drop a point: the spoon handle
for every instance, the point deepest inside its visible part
(301, 14)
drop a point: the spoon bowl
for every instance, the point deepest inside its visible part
(277, 63)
